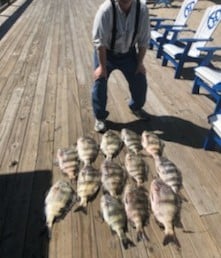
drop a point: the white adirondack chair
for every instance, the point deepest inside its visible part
(188, 49)
(163, 33)
(214, 135)
(208, 77)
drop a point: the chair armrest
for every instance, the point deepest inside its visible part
(158, 22)
(170, 26)
(192, 40)
(210, 51)
(174, 29)
(156, 19)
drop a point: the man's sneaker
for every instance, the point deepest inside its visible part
(141, 114)
(100, 126)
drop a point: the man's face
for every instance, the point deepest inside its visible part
(125, 5)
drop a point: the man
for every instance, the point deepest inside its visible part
(120, 35)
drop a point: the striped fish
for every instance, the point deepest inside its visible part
(131, 140)
(136, 205)
(152, 144)
(136, 167)
(111, 144)
(164, 206)
(169, 173)
(114, 215)
(58, 201)
(68, 161)
(87, 149)
(88, 184)
(113, 177)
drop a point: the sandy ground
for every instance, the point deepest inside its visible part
(194, 20)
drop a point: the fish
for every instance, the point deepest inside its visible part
(87, 149)
(164, 206)
(131, 140)
(88, 185)
(113, 177)
(111, 144)
(135, 200)
(68, 161)
(152, 144)
(59, 200)
(114, 215)
(169, 173)
(136, 167)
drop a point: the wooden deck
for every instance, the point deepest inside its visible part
(45, 85)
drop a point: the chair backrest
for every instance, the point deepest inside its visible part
(185, 11)
(207, 26)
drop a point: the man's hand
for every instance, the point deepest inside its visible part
(141, 69)
(100, 72)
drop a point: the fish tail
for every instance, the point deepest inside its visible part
(49, 229)
(82, 207)
(171, 238)
(141, 235)
(126, 242)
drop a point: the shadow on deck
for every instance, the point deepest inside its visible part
(21, 214)
(170, 128)
(4, 28)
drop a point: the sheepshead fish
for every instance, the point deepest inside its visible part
(164, 206)
(136, 167)
(58, 202)
(152, 144)
(113, 177)
(111, 144)
(131, 140)
(136, 205)
(88, 185)
(169, 173)
(114, 215)
(68, 161)
(87, 149)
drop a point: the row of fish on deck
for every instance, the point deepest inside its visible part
(125, 197)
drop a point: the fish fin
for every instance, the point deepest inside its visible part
(182, 197)
(94, 196)
(126, 242)
(161, 226)
(82, 209)
(100, 216)
(171, 238)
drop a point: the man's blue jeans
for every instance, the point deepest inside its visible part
(127, 64)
